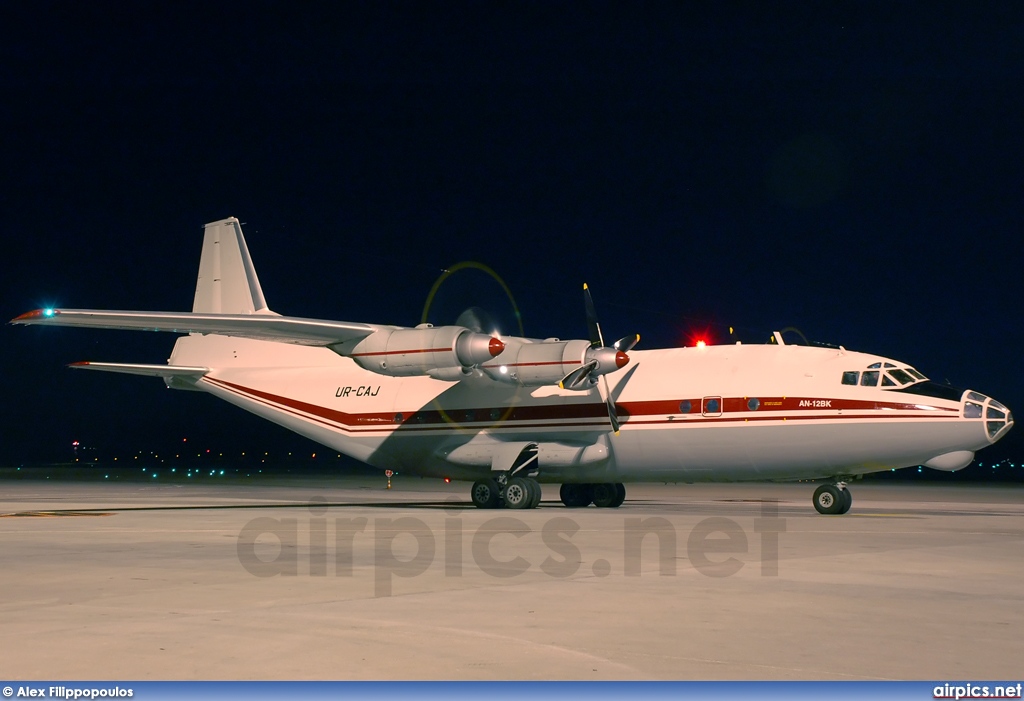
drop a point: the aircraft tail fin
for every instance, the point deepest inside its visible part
(227, 281)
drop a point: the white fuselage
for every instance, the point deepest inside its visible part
(717, 413)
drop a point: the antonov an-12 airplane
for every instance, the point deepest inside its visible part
(509, 413)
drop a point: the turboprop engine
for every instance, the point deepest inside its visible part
(444, 352)
(572, 364)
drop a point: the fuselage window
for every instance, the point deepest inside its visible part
(850, 377)
(887, 381)
(711, 406)
(684, 406)
(869, 378)
(753, 403)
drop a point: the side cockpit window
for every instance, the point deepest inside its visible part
(869, 378)
(850, 377)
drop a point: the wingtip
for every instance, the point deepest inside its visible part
(34, 315)
(79, 364)
(585, 286)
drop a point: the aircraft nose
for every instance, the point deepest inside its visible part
(998, 419)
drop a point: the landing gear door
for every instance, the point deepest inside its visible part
(711, 406)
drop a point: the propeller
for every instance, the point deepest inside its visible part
(478, 320)
(600, 359)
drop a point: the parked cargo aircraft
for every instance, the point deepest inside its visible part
(509, 413)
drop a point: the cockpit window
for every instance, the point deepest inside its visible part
(850, 377)
(875, 365)
(916, 374)
(889, 365)
(869, 378)
(887, 381)
(902, 377)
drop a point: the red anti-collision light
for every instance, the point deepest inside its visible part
(621, 359)
(495, 347)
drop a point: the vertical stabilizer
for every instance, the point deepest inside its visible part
(227, 279)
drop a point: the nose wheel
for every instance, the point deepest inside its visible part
(832, 499)
(605, 496)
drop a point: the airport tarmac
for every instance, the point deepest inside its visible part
(341, 579)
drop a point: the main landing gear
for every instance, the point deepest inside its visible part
(832, 499)
(524, 493)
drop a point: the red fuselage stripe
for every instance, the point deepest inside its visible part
(560, 416)
(401, 352)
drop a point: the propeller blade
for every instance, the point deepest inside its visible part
(578, 376)
(610, 403)
(477, 319)
(627, 343)
(593, 326)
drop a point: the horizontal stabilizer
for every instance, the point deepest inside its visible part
(264, 327)
(140, 369)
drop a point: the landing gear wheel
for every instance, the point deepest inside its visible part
(518, 493)
(828, 499)
(847, 500)
(575, 496)
(620, 495)
(486, 494)
(535, 492)
(606, 494)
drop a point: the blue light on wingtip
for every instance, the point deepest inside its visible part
(48, 311)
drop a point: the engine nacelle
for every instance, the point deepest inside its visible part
(444, 352)
(536, 363)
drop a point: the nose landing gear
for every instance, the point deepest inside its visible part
(832, 499)
(605, 495)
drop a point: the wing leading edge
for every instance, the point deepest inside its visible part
(260, 326)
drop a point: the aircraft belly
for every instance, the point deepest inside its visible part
(794, 451)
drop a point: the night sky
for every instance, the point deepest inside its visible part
(855, 170)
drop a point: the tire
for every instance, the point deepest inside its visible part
(575, 496)
(605, 495)
(536, 492)
(518, 493)
(847, 501)
(620, 495)
(828, 500)
(485, 494)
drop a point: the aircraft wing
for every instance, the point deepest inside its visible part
(264, 327)
(142, 369)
